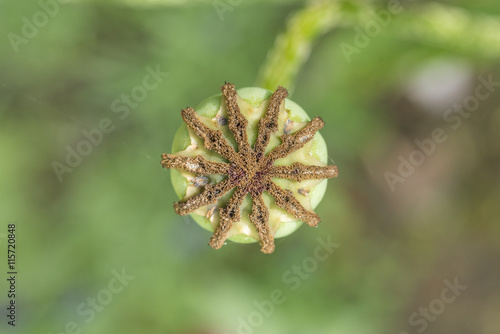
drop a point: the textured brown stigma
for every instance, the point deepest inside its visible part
(269, 124)
(249, 171)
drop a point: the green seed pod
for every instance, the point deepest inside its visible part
(249, 166)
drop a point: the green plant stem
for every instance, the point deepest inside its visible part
(435, 24)
(292, 48)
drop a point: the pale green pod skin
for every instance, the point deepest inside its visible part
(253, 104)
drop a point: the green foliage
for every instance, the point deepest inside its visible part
(114, 209)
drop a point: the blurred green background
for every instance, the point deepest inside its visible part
(113, 211)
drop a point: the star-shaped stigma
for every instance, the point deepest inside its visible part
(249, 170)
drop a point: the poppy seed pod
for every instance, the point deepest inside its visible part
(249, 165)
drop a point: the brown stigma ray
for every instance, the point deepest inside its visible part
(300, 172)
(269, 124)
(249, 171)
(236, 121)
(228, 215)
(286, 200)
(260, 218)
(196, 165)
(292, 143)
(213, 139)
(210, 194)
